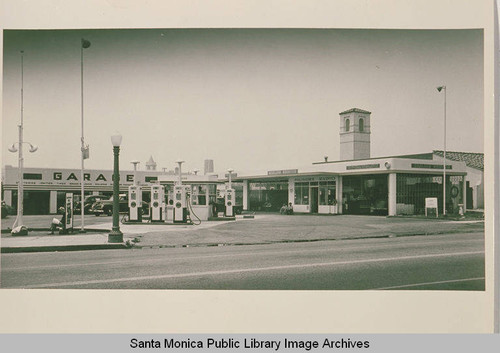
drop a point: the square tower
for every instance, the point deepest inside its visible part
(208, 166)
(354, 134)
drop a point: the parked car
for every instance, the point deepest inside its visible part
(88, 203)
(106, 206)
(6, 210)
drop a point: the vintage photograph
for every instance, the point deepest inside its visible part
(243, 159)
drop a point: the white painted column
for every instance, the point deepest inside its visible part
(464, 193)
(338, 195)
(7, 197)
(53, 202)
(392, 194)
(291, 193)
(245, 195)
(474, 196)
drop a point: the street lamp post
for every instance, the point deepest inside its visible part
(20, 187)
(116, 236)
(440, 88)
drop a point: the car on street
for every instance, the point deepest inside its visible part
(105, 207)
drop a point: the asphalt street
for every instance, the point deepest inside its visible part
(437, 262)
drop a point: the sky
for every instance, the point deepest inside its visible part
(250, 99)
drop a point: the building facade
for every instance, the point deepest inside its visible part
(359, 184)
(396, 185)
(355, 184)
(45, 188)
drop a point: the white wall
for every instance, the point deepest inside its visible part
(7, 197)
(53, 202)
(327, 209)
(202, 212)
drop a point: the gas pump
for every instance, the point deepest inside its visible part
(229, 202)
(229, 197)
(135, 203)
(193, 195)
(169, 209)
(68, 213)
(180, 203)
(157, 200)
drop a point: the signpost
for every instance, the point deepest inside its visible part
(68, 209)
(431, 202)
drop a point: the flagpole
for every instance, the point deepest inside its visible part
(441, 88)
(82, 200)
(444, 156)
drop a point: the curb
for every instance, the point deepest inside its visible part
(55, 248)
(157, 224)
(75, 231)
(285, 241)
(138, 246)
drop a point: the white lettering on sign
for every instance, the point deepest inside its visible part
(437, 180)
(280, 172)
(327, 178)
(456, 179)
(88, 177)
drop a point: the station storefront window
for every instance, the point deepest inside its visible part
(36, 202)
(238, 190)
(301, 193)
(212, 193)
(199, 194)
(327, 192)
(412, 189)
(268, 196)
(365, 194)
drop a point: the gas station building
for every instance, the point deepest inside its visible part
(359, 184)
(396, 185)
(45, 188)
(355, 184)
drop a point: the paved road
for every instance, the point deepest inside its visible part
(444, 262)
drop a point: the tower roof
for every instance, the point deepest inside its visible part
(356, 110)
(150, 161)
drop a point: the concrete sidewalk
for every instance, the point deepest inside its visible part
(263, 229)
(39, 240)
